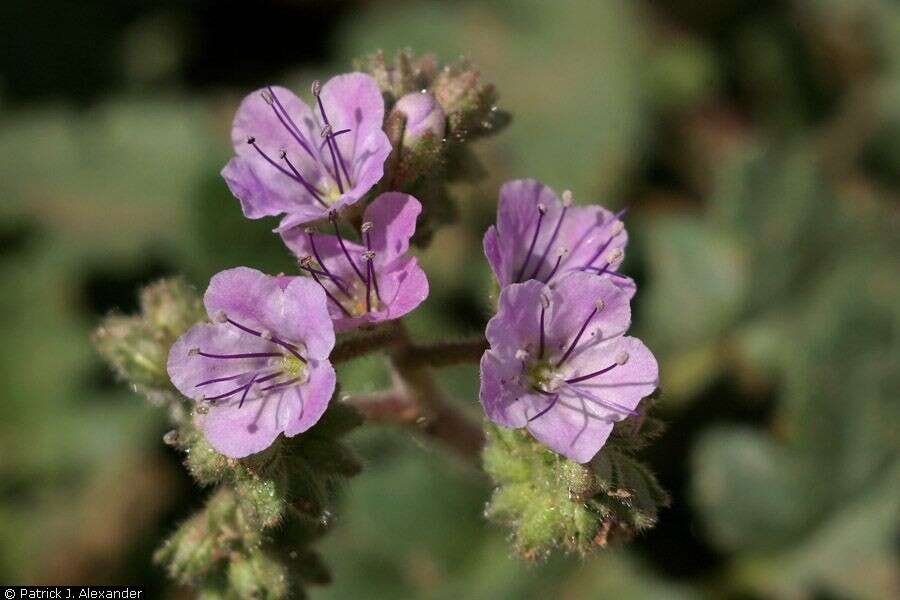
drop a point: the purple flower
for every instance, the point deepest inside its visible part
(538, 236)
(304, 162)
(261, 368)
(560, 365)
(369, 282)
(423, 116)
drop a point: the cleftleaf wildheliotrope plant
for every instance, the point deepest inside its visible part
(251, 384)
(235, 546)
(560, 367)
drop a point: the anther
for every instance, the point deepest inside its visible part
(622, 358)
(219, 316)
(522, 355)
(615, 256)
(368, 255)
(251, 140)
(542, 208)
(326, 131)
(267, 96)
(600, 304)
(265, 334)
(316, 88)
(193, 352)
(367, 226)
(618, 228)
(306, 262)
(567, 198)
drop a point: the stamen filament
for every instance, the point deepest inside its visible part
(335, 279)
(541, 347)
(290, 347)
(368, 237)
(332, 145)
(247, 355)
(330, 295)
(586, 395)
(220, 379)
(577, 338)
(309, 187)
(534, 238)
(337, 232)
(592, 375)
(334, 135)
(555, 268)
(297, 178)
(545, 410)
(293, 129)
(280, 384)
(540, 262)
(368, 286)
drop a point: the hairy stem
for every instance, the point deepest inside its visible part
(443, 354)
(365, 343)
(440, 419)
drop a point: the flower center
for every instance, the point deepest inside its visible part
(355, 294)
(292, 366)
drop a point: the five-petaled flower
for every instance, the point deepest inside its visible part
(261, 367)
(538, 236)
(560, 364)
(304, 162)
(370, 282)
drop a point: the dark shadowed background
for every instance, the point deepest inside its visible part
(756, 144)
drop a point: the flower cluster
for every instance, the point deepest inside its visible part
(260, 368)
(559, 362)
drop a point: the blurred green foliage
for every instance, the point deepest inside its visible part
(755, 144)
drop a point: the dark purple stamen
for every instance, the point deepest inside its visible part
(335, 279)
(545, 410)
(617, 217)
(605, 271)
(309, 187)
(334, 135)
(280, 384)
(543, 257)
(292, 128)
(577, 338)
(368, 237)
(220, 379)
(537, 230)
(602, 249)
(541, 347)
(332, 144)
(584, 395)
(337, 232)
(555, 268)
(297, 178)
(247, 355)
(288, 346)
(330, 295)
(368, 285)
(247, 390)
(591, 375)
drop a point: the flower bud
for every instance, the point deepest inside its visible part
(423, 115)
